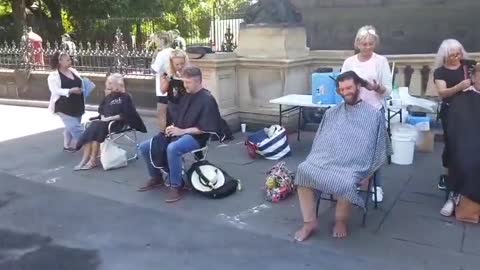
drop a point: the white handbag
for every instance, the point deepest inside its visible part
(112, 156)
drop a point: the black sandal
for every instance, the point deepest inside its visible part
(69, 150)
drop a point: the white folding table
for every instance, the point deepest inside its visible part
(296, 103)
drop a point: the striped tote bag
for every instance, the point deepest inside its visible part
(270, 143)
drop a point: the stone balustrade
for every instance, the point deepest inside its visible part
(416, 72)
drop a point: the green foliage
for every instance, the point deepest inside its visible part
(67, 22)
(96, 19)
(5, 7)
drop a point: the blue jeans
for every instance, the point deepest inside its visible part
(73, 129)
(175, 151)
(72, 124)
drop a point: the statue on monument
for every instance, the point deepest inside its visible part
(272, 12)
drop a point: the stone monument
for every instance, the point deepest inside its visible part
(272, 29)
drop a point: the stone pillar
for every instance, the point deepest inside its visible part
(431, 90)
(272, 41)
(415, 88)
(400, 76)
(260, 81)
(220, 77)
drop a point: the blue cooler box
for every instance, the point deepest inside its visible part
(324, 88)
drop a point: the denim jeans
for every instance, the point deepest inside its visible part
(145, 152)
(175, 151)
(73, 125)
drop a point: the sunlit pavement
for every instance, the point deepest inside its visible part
(16, 122)
(51, 216)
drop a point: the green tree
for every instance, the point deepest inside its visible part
(19, 16)
(97, 19)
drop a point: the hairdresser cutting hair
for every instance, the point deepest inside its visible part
(374, 69)
(451, 79)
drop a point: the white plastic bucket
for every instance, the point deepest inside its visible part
(403, 143)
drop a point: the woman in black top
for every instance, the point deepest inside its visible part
(66, 99)
(116, 106)
(450, 80)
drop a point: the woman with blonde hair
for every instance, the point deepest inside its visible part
(374, 69)
(450, 80)
(116, 106)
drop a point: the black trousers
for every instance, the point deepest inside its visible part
(444, 109)
(444, 119)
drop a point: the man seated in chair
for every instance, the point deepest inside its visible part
(350, 145)
(197, 117)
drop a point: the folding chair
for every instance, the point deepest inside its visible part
(371, 182)
(198, 155)
(128, 134)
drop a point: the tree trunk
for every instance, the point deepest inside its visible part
(55, 8)
(139, 36)
(19, 16)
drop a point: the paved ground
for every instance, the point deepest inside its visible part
(52, 218)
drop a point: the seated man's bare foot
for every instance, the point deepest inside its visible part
(340, 230)
(306, 231)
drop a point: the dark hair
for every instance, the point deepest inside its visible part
(55, 60)
(351, 75)
(192, 72)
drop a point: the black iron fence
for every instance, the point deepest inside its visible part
(99, 58)
(119, 44)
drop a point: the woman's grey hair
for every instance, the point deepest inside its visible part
(116, 77)
(364, 33)
(446, 48)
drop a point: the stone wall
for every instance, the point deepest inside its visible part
(142, 88)
(405, 26)
(242, 86)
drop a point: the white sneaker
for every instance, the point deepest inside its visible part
(379, 194)
(448, 207)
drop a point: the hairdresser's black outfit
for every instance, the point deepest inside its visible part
(451, 77)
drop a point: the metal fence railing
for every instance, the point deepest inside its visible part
(120, 44)
(99, 58)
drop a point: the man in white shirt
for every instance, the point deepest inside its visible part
(161, 65)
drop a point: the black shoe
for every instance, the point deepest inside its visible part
(442, 183)
(69, 150)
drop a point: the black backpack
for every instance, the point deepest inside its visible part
(198, 52)
(211, 181)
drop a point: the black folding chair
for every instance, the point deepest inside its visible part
(372, 182)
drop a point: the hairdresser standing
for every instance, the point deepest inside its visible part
(450, 80)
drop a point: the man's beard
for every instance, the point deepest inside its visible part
(353, 100)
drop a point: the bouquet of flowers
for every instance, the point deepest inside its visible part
(279, 184)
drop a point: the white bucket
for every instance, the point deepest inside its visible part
(403, 143)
